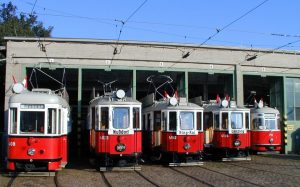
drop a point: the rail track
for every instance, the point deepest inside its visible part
(103, 177)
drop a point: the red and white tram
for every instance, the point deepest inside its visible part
(37, 130)
(265, 129)
(115, 131)
(172, 130)
(226, 129)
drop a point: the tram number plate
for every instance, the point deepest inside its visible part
(237, 131)
(12, 144)
(120, 131)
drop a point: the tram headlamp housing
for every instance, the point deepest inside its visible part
(271, 140)
(237, 143)
(31, 151)
(187, 146)
(120, 147)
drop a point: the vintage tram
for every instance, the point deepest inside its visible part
(226, 129)
(265, 129)
(37, 130)
(172, 129)
(115, 136)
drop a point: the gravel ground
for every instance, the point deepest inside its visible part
(271, 170)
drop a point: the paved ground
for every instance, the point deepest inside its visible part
(272, 170)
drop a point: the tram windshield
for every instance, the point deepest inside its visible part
(32, 121)
(264, 124)
(121, 117)
(236, 120)
(186, 120)
(270, 124)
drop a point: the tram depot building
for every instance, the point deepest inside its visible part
(198, 72)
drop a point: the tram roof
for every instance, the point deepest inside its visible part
(38, 98)
(215, 107)
(105, 100)
(164, 105)
(264, 110)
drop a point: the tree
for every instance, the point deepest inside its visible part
(23, 24)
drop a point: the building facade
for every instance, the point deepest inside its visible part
(197, 71)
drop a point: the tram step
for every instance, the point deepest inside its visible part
(186, 164)
(31, 174)
(125, 168)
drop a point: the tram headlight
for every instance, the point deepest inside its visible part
(187, 146)
(120, 147)
(31, 151)
(237, 143)
(271, 140)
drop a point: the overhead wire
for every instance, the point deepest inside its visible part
(228, 25)
(33, 7)
(121, 29)
(100, 20)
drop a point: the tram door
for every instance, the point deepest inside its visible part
(208, 127)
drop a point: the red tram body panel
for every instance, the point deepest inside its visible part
(261, 140)
(50, 149)
(107, 143)
(223, 139)
(265, 129)
(175, 143)
(37, 131)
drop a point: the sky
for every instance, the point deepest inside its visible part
(266, 24)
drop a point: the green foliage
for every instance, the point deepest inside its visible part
(23, 25)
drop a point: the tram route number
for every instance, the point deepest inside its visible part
(12, 144)
(120, 131)
(237, 131)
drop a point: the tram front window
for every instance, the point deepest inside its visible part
(236, 120)
(270, 124)
(32, 122)
(186, 120)
(121, 118)
(258, 123)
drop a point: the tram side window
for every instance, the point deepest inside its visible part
(93, 117)
(157, 120)
(216, 121)
(172, 121)
(164, 120)
(97, 120)
(59, 122)
(144, 122)
(13, 120)
(32, 121)
(224, 120)
(278, 122)
(257, 123)
(104, 118)
(247, 121)
(136, 117)
(121, 118)
(199, 120)
(148, 125)
(51, 121)
(236, 120)
(208, 120)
